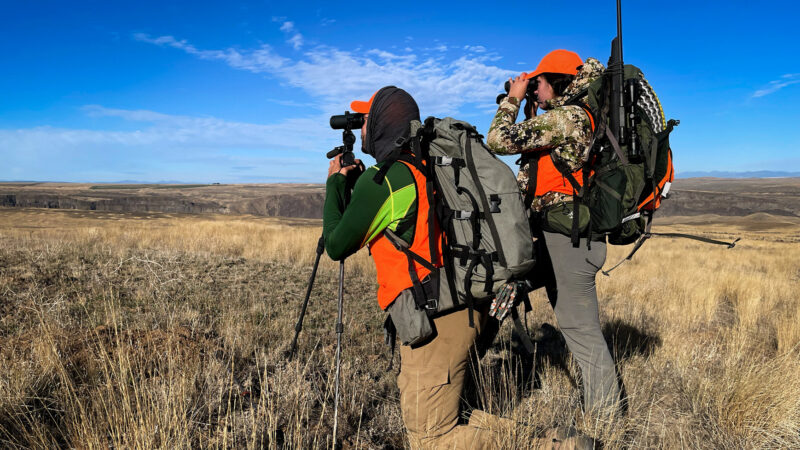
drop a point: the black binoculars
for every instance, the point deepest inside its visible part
(530, 92)
(347, 121)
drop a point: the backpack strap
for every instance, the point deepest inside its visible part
(426, 292)
(524, 337)
(648, 234)
(578, 189)
(400, 144)
(390, 339)
(471, 133)
(533, 174)
(575, 99)
(698, 238)
(421, 147)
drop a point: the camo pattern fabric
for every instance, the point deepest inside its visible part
(564, 131)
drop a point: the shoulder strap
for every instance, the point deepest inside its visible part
(400, 144)
(532, 160)
(574, 100)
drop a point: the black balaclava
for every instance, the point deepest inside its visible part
(391, 111)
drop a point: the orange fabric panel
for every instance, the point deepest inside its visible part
(391, 264)
(653, 201)
(549, 179)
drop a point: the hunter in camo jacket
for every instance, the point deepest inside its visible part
(565, 131)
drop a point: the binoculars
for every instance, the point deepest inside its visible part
(530, 92)
(347, 121)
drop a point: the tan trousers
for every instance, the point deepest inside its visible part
(431, 382)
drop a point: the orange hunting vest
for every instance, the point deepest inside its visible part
(392, 264)
(549, 178)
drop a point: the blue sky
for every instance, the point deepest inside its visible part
(103, 91)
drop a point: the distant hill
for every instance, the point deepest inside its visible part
(688, 197)
(286, 200)
(752, 174)
(733, 197)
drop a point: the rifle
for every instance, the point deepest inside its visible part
(617, 69)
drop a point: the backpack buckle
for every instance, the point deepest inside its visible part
(494, 203)
(463, 215)
(431, 291)
(432, 304)
(443, 160)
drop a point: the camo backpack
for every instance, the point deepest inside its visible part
(478, 208)
(623, 183)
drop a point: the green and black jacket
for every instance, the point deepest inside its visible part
(348, 226)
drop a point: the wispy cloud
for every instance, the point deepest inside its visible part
(295, 38)
(776, 85)
(440, 84)
(210, 132)
(475, 48)
(190, 148)
(263, 59)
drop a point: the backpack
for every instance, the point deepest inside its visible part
(623, 182)
(632, 177)
(475, 200)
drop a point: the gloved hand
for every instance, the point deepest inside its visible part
(353, 172)
(507, 299)
(336, 166)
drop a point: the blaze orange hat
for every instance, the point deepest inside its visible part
(362, 107)
(558, 61)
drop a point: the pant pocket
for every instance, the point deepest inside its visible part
(413, 325)
(428, 401)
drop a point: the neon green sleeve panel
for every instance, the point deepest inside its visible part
(349, 224)
(393, 210)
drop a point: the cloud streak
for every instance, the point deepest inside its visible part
(168, 146)
(441, 86)
(776, 85)
(179, 132)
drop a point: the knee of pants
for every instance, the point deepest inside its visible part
(581, 326)
(586, 343)
(429, 402)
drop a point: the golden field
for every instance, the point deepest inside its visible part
(170, 331)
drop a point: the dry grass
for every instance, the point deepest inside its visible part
(170, 331)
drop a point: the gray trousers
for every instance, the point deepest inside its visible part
(575, 305)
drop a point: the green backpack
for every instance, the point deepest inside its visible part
(625, 182)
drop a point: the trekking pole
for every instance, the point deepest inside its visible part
(299, 326)
(339, 331)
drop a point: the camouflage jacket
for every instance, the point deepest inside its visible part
(564, 131)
